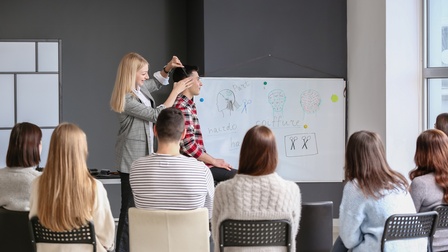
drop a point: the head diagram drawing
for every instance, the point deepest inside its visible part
(226, 102)
(277, 99)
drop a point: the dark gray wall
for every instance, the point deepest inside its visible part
(231, 38)
(304, 38)
(95, 35)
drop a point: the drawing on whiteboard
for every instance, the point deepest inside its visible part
(305, 140)
(293, 141)
(245, 105)
(309, 145)
(310, 101)
(226, 102)
(277, 99)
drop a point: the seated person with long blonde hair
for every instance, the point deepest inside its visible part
(66, 196)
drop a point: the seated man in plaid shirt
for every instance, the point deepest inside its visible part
(193, 144)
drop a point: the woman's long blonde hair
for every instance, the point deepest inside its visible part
(67, 191)
(125, 80)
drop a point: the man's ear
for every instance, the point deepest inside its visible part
(154, 129)
(183, 134)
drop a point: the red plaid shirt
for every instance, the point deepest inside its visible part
(193, 144)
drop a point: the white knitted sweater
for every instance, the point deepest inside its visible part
(255, 198)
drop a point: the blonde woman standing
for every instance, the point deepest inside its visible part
(66, 196)
(136, 110)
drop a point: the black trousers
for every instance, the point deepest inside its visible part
(127, 201)
(220, 174)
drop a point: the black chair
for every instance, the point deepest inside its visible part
(408, 226)
(82, 235)
(14, 231)
(254, 233)
(316, 227)
(442, 210)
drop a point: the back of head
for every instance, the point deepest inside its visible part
(125, 80)
(68, 147)
(66, 183)
(365, 162)
(23, 148)
(180, 73)
(442, 123)
(258, 155)
(431, 154)
(170, 125)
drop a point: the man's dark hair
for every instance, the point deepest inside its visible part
(180, 73)
(170, 125)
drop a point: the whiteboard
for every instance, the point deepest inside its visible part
(307, 117)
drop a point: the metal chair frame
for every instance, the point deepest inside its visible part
(254, 233)
(83, 235)
(442, 210)
(407, 226)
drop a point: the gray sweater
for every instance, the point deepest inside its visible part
(426, 195)
(15, 187)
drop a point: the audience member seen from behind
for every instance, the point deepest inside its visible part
(136, 111)
(257, 192)
(193, 143)
(66, 196)
(22, 159)
(166, 179)
(373, 192)
(429, 186)
(442, 123)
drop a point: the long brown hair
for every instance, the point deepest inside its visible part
(365, 162)
(67, 191)
(258, 155)
(125, 80)
(431, 155)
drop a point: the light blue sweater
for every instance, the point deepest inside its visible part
(362, 220)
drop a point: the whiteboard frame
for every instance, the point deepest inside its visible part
(218, 146)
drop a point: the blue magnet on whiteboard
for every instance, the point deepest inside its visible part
(265, 83)
(201, 100)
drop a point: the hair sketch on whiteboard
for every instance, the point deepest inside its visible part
(277, 99)
(226, 102)
(310, 101)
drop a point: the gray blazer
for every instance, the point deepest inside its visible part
(133, 139)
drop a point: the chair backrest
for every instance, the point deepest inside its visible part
(254, 233)
(408, 226)
(316, 227)
(82, 235)
(14, 231)
(169, 230)
(442, 210)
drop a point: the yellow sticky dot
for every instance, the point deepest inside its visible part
(305, 126)
(334, 98)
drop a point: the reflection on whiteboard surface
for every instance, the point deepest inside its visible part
(307, 117)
